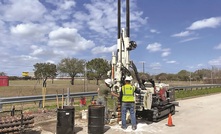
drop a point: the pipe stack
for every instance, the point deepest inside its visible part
(17, 123)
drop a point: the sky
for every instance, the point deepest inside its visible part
(172, 35)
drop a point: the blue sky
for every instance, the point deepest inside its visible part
(172, 35)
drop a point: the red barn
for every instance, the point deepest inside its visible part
(4, 81)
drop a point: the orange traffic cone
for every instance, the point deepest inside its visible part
(170, 122)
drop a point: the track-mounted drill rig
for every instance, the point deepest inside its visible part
(155, 101)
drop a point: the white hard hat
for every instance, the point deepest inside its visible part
(128, 78)
(108, 81)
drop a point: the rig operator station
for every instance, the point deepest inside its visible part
(154, 103)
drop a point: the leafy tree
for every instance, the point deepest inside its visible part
(172, 77)
(183, 75)
(97, 69)
(45, 71)
(3, 74)
(72, 67)
(162, 76)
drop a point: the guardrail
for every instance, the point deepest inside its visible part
(10, 100)
(196, 87)
(20, 99)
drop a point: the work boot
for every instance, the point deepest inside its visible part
(124, 128)
(134, 127)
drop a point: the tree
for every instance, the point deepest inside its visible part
(72, 67)
(162, 77)
(173, 77)
(97, 69)
(45, 71)
(184, 75)
(3, 74)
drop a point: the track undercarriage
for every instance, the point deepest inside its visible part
(156, 113)
(160, 108)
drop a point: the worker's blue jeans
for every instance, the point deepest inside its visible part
(124, 108)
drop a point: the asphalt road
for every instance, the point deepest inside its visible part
(201, 115)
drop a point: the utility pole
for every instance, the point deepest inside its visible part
(85, 76)
(143, 66)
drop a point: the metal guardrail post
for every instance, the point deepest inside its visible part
(13, 111)
(40, 104)
(68, 97)
(0, 107)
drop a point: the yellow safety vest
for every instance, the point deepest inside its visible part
(128, 93)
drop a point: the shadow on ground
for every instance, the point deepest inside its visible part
(32, 132)
(106, 128)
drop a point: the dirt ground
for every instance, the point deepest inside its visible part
(46, 123)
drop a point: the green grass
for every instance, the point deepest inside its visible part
(194, 93)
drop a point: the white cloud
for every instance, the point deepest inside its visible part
(171, 62)
(2, 23)
(62, 4)
(50, 61)
(67, 4)
(155, 65)
(36, 50)
(27, 57)
(23, 10)
(199, 65)
(189, 39)
(218, 46)
(29, 30)
(154, 31)
(101, 16)
(62, 11)
(212, 22)
(182, 34)
(165, 53)
(154, 47)
(103, 49)
(69, 38)
(215, 62)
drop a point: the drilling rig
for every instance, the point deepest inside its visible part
(155, 101)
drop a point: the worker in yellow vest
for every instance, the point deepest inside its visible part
(128, 102)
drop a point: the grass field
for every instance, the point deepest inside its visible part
(34, 87)
(193, 93)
